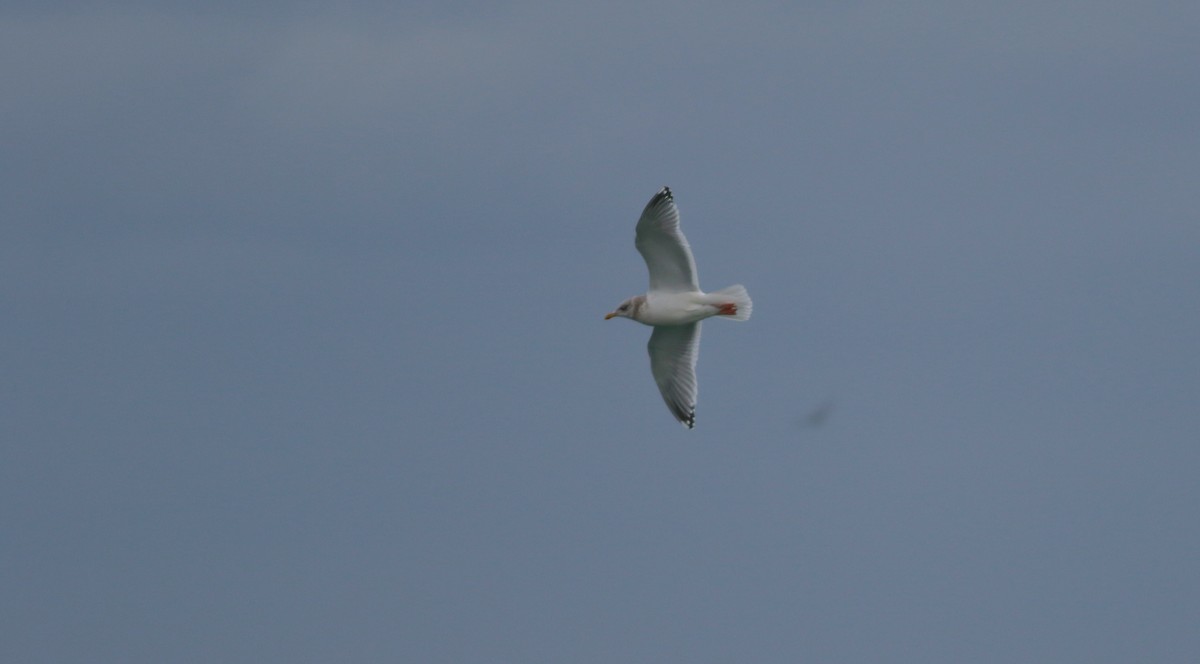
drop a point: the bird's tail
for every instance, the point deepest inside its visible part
(734, 301)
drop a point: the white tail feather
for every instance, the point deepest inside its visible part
(739, 297)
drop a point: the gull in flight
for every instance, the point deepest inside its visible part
(675, 305)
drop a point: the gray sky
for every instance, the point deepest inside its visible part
(304, 357)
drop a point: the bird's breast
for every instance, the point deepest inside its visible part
(674, 308)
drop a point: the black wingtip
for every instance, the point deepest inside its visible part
(685, 417)
(660, 199)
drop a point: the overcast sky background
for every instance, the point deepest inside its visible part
(304, 358)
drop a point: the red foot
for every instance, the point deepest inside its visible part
(727, 309)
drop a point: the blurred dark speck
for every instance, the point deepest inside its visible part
(818, 416)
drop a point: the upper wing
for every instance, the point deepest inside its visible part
(662, 245)
(673, 352)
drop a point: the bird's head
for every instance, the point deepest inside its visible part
(628, 309)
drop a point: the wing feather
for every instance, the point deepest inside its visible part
(673, 353)
(662, 245)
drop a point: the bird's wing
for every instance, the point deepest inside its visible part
(662, 245)
(673, 352)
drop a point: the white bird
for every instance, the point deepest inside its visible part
(675, 305)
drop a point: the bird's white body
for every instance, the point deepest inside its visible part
(664, 308)
(675, 305)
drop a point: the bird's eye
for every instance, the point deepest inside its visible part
(623, 307)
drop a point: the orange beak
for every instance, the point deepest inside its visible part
(611, 315)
